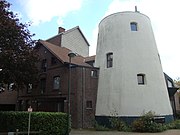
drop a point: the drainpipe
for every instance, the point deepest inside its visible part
(174, 107)
(83, 88)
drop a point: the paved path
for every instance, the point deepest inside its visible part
(88, 132)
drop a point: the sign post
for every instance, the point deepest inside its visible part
(29, 123)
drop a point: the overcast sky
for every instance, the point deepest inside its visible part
(47, 15)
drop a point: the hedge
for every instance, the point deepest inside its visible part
(49, 123)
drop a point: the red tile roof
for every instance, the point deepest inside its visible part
(90, 58)
(62, 54)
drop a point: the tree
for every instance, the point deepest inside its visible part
(177, 82)
(17, 57)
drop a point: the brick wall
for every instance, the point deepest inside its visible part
(83, 89)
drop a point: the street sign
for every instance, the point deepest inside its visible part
(30, 109)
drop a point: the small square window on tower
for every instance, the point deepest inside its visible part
(133, 26)
(141, 79)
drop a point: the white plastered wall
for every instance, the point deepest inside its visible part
(134, 52)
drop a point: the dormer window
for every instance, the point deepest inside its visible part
(133, 26)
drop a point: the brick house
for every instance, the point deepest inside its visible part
(50, 93)
(173, 94)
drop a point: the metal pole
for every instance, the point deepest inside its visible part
(69, 92)
(29, 123)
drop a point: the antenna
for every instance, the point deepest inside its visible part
(136, 9)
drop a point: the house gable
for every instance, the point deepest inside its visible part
(75, 41)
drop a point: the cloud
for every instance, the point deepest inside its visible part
(164, 18)
(39, 11)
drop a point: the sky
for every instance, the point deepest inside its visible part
(47, 15)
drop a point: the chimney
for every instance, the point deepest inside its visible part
(61, 29)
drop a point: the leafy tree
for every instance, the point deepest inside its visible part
(17, 57)
(177, 82)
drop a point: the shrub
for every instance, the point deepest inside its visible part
(49, 123)
(178, 115)
(177, 124)
(100, 127)
(146, 124)
(117, 124)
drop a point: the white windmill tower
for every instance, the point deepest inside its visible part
(131, 80)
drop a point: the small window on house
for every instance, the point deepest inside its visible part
(88, 104)
(133, 26)
(54, 61)
(44, 65)
(29, 88)
(170, 84)
(141, 79)
(42, 85)
(94, 73)
(2, 88)
(56, 82)
(11, 87)
(109, 60)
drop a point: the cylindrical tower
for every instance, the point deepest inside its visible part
(131, 80)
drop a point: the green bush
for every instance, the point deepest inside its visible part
(178, 115)
(117, 124)
(100, 127)
(177, 124)
(49, 123)
(146, 124)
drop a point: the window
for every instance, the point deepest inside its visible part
(11, 87)
(2, 89)
(170, 84)
(133, 26)
(109, 60)
(29, 88)
(44, 65)
(43, 85)
(94, 73)
(141, 79)
(54, 61)
(88, 104)
(56, 82)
